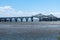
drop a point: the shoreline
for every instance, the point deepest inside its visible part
(32, 23)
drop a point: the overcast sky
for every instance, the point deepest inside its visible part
(29, 7)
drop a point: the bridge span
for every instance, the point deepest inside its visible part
(10, 19)
(45, 18)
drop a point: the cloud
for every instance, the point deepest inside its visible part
(9, 11)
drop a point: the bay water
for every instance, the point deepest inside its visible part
(29, 32)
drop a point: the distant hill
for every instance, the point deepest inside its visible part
(43, 16)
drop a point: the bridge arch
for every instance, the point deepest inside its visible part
(15, 19)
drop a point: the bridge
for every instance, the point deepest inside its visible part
(10, 19)
(41, 17)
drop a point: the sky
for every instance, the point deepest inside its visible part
(15, 8)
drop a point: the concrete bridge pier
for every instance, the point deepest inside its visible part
(26, 19)
(16, 19)
(21, 19)
(0, 19)
(5, 19)
(31, 19)
(10, 19)
(39, 19)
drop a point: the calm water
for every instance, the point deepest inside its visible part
(28, 32)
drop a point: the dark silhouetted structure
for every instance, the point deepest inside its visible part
(40, 16)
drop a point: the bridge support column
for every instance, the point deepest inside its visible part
(31, 19)
(16, 19)
(0, 19)
(39, 19)
(5, 19)
(21, 19)
(26, 19)
(10, 19)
